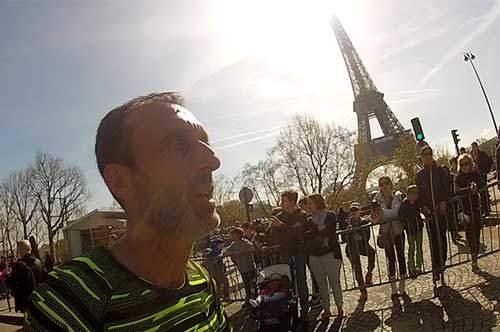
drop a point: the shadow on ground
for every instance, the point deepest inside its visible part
(454, 311)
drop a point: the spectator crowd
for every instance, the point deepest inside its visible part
(308, 235)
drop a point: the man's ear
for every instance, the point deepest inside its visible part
(119, 181)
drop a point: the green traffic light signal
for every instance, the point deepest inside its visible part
(417, 129)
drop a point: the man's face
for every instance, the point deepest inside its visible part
(412, 197)
(427, 158)
(356, 214)
(474, 148)
(172, 171)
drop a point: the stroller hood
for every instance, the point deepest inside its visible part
(267, 272)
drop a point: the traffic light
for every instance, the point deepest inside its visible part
(417, 129)
(454, 134)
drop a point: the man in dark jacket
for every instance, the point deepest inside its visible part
(483, 165)
(288, 228)
(27, 272)
(433, 194)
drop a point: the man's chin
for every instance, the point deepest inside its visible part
(205, 224)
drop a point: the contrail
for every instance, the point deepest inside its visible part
(274, 133)
(247, 134)
(490, 18)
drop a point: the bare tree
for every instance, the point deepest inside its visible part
(224, 188)
(61, 192)
(319, 157)
(25, 204)
(6, 214)
(268, 179)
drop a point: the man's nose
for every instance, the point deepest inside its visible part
(212, 161)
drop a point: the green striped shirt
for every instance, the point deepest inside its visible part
(96, 293)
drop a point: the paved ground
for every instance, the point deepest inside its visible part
(472, 304)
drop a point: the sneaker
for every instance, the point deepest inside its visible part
(369, 279)
(363, 296)
(314, 302)
(475, 268)
(254, 303)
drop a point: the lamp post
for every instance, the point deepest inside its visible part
(468, 56)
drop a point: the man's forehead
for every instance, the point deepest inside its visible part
(164, 117)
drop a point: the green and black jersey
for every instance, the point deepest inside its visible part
(96, 293)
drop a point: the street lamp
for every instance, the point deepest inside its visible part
(468, 56)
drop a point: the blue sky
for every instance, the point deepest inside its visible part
(245, 68)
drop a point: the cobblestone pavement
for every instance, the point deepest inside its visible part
(472, 303)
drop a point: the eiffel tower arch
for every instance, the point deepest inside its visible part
(368, 104)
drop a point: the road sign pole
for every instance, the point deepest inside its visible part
(248, 212)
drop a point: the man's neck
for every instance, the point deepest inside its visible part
(291, 210)
(156, 257)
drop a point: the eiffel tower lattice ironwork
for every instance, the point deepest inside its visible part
(368, 104)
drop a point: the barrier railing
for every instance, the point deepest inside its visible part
(464, 215)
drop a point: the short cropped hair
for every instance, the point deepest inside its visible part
(292, 195)
(318, 200)
(238, 231)
(112, 143)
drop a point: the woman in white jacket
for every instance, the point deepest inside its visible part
(391, 231)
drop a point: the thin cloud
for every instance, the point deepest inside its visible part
(258, 138)
(489, 19)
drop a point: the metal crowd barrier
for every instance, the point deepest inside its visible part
(457, 250)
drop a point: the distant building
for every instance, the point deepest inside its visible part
(92, 230)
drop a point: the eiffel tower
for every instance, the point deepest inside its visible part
(368, 104)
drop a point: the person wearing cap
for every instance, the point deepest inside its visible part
(358, 244)
(433, 194)
(409, 214)
(215, 265)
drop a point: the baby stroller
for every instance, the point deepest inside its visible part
(279, 310)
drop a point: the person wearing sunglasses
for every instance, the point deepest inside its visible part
(391, 232)
(433, 194)
(468, 183)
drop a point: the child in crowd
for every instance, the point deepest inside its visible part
(215, 264)
(409, 214)
(358, 244)
(241, 252)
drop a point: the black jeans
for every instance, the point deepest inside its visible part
(248, 279)
(354, 253)
(439, 246)
(395, 246)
